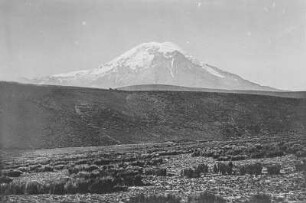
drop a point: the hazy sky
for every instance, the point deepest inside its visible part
(261, 40)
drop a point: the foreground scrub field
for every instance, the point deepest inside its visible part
(250, 170)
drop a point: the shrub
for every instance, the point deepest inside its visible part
(274, 169)
(4, 188)
(59, 167)
(202, 168)
(132, 180)
(46, 168)
(141, 198)
(260, 198)
(223, 158)
(252, 169)
(138, 163)
(169, 153)
(24, 169)
(102, 185)
(156, 171)
(81, 162)
(5, 179)
(275, 153)
(301, 153)
(58, 187)
(223, 168)
(239, 157)
(12, 173)
(84, 167)
(32, 187)
(81, 185)
(196, 153)
(94, 174)
(92, 167)
(155, 161)
(34, 167)
(71, 187)
(258, 155)
(83, 174)
(15, 188)
(206, 197)
(300, 166)
(190, 173)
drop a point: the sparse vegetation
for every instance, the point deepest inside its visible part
(155, 199)
(206, 197)
(260, 198)
(274, 169)
(252, 169)
(142, 168)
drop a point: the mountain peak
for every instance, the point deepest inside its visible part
(163, 47)
(143, 54)
(154, 63)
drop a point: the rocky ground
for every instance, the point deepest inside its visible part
(287, 186)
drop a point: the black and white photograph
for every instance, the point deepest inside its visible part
(153, 101)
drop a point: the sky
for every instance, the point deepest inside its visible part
(263, 41)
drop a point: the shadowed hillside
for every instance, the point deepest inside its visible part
(154, 87)
(53, 116)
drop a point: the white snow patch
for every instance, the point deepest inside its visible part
(167, 47)
(72, 74)
(171, 68)
(214, 72)
(100, 71)
(142, 55)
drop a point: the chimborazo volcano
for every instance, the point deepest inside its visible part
(154, 63)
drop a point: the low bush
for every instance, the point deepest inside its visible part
(138, 163)
(12, 173)
(239, 157)
(301, 153)
(300, 166)
(206, 197)
(5, 179)
(190, 173)
(46, 168)
(83, 167)
(252, 169)
(155, 161)
(24, 169)
(156, 171)
(102, 161)
(275, 153)
(102, 185)
(154, 199)
(223, 158)
(81, 162)
(260, 198)
(59, 167)
(32, 187)
(83, 174)
(3, 188)
(274, 169)
(202, 168)
(58, 187)
(169, 153)
(34, 168)
(196, 153)
(223, 168)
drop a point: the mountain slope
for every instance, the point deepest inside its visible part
(153, 87)
(56, 116)
(153, 63)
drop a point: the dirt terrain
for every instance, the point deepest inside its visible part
(234, 171)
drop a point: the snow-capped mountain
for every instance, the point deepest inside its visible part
(153, 63)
